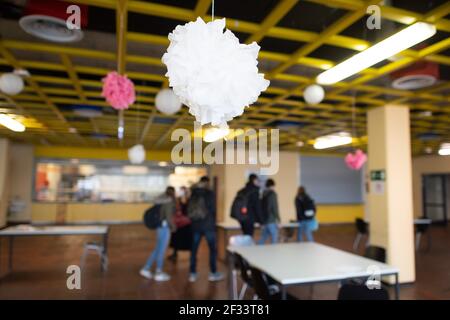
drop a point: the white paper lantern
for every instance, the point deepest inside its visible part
(136, 154)
(313, 94)
(211, 72)
(167, 102)
(11, 83)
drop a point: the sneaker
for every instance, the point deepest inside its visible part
(216, 276)
(161, 276)
(145, 273)
(193, 277)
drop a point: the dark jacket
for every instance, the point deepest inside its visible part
(270, 207)
(253, 202)
(209, 222)
(303, 203)
(167, 211)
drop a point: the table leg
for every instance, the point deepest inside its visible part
(11, 249)
(104, 259)
(397, 288)
(283, 293)
(225, 242)
(231, 277)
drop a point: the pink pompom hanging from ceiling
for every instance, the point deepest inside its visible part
(355, 160)
(118, 91)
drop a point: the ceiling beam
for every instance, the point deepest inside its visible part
(201, 7)
(272, 19)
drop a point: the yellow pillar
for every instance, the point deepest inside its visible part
(4, 161)
(390, 199)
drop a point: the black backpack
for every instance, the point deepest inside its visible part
(239, 208)
(196, 208)
(152, 217)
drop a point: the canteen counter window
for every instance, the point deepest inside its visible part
(101, 181)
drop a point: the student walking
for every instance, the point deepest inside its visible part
(181, 239)
(167, 206)
(246, 206)
(270, 214)
(202, 211)
(306, 211)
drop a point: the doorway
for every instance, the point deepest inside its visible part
(436, 197)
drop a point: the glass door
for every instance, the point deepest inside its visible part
(435, 197)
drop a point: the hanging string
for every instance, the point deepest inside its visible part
(138, 115)
(354, 115)
(212, 10)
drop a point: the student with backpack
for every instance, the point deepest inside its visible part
(202, 212)
(270, 213)
(246, 207)
(160, 218)
(306, 211)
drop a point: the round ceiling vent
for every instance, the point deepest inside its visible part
(415, 81)
(49, 28)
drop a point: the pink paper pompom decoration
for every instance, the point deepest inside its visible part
(356, 161)
(118, 90)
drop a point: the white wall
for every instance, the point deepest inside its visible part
(21, 180)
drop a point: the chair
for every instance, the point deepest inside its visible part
(375, 253)
(97, 249)
(351, 291)
(263, 289)
(421, 229)
(362, 228)
(245, 272)
(239, 241)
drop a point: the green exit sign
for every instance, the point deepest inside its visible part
(377, 175)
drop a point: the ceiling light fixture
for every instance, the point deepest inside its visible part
(396, 43)
(444, 149)
(215, 133)
(332, 140)
(11, 123)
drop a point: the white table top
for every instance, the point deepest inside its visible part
(29, 230)
(297, 263)
(234, 225)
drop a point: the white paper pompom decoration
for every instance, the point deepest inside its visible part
(167, 102)
(136, 154)
(211, 72)
(313, 94)
(11, 83)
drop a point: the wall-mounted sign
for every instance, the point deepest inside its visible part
(377, 181)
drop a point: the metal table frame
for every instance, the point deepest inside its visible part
(232, 285)
(11, 237)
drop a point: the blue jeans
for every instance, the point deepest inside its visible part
(305, 227)
(211, 239)
(269, 230)
(162, 240)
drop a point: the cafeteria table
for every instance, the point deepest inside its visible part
(293, 264)
(32, 231)
(227, 227)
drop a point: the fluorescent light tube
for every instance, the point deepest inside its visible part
(332, 140)
(445, 149)
(11, 123)
(389, 47)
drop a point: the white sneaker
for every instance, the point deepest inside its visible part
(161, 276)
(216, 276)
(146, 273)
(193, 277)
